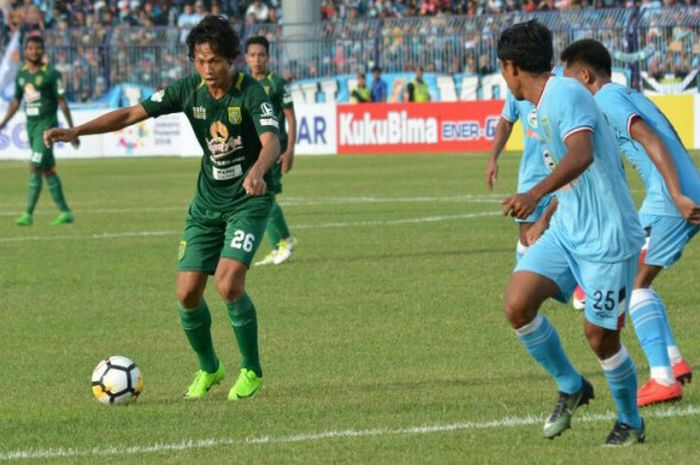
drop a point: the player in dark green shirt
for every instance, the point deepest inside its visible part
(42, 90)
(237, 129)
(257, 55)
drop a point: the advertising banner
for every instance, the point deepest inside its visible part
(316, 129)
(417, 128)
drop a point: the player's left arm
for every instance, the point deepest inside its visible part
(287, 158)
(658, 153)
(254, 184)
(578, 157)
(65, 109)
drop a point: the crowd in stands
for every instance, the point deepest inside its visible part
(99, 43)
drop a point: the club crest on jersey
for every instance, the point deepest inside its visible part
(181, 252)
(532, 118)
(266, 89)
(38, 80)
(234, 115)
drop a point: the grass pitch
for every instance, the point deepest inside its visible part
(382, 340)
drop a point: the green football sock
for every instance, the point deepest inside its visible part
(197, 325)
(245, 327)
(276, 226)
(56, 190)
(33, 191)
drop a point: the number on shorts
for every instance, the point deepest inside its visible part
(607, 300)
(241, 240)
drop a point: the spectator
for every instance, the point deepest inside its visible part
(417, 90)
(361, 93)
(187, 20)
(379, 87)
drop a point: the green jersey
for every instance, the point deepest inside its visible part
(40, 91)
(228, 130)
(277, 89)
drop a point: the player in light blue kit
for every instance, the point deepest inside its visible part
(670, 212)
(594, 237)
(532, 168)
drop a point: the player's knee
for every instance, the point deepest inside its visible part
(230, 291)
(188, 296)
(518, 312)
(604, 342)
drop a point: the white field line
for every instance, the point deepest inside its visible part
(503, 423)
(285, 201)
(348, 224)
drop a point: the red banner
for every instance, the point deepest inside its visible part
(418, 127)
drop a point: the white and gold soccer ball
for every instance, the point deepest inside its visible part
(116, 380)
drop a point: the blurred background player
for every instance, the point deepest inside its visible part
(379, 86)
(361, 93)
(43, 92)
(594, 237)
(669, 213)
(531, 171)
(236, 127)
(257, 56)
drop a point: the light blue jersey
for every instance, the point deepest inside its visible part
(596, 218)
(621, 105)
(532, 169)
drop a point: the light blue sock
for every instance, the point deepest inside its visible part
(622, 379)
(520, 250)
(647, 313)
(542, 342)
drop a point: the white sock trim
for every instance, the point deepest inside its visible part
(641, 298)
(663, 375)
(531, 327)
(674, 354)
(614, 362)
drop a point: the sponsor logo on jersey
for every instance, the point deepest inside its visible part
(269, 122)
(199, 112)
(21, 81)
(60, 88)
(158, 96)
(181, 252)
(31, 94)
(267, 110)
(224, 174)
(221, 145)
(234, 115)
(396, 128)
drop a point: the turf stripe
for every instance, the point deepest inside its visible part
(507, 422)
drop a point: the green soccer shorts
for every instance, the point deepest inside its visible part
(234, 234)
(42, 157)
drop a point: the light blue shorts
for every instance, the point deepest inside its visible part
(667, 236)
(539, 210)
(607, 285)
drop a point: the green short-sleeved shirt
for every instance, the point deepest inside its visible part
(40, 91)
(227, 129)
(278, 90)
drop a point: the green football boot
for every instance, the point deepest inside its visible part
(24, 220)
(624, 435)
(63, 218)
(560, 419)
(203, 381)
(247, 384)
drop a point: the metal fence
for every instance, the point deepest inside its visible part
(660, 42)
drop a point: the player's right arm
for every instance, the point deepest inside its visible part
(11, 110)
(657, 151)
(109, 122)
(504, 128)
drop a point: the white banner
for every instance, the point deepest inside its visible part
(316, 129)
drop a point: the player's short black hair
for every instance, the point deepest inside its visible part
(258, 40)
(376, 69)
(528, 45)
(218, 33)
(36, 39)
(588, 52)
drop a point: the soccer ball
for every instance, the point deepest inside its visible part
(116, 380)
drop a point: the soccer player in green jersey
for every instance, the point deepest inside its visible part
(257, 55)
(41, 87)
(237, 129)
